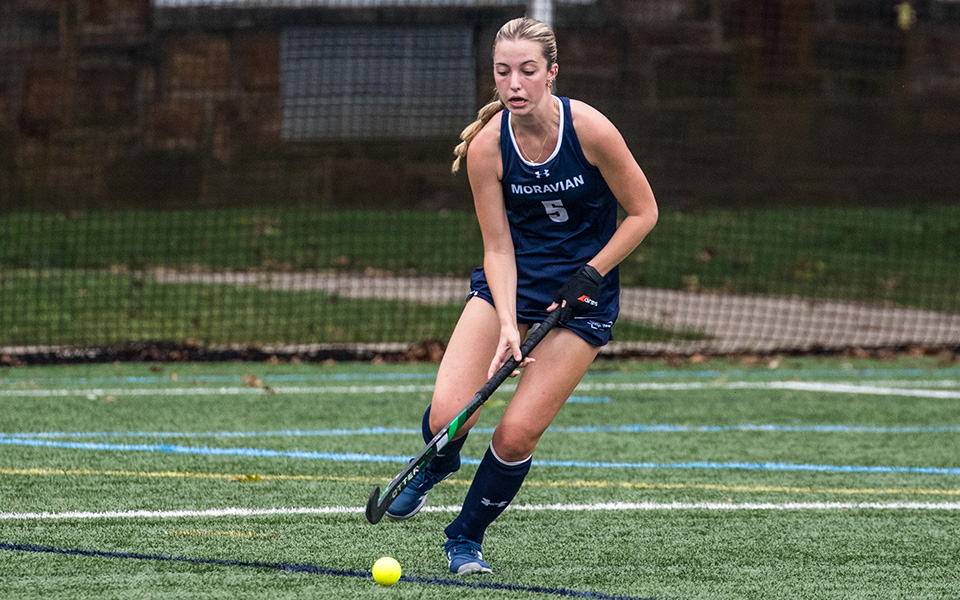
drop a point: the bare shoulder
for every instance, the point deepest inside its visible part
(485, 148)
(591, 124)
(596, 133)
(489, 135)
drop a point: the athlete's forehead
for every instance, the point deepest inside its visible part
(517, 53)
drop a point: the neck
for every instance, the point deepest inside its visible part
(544, 120)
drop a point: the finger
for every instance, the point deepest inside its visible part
(517, 354)
(494, 367)
(552, 307)
(498, 359)
(524, 363)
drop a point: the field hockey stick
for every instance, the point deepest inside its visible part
(379, 502)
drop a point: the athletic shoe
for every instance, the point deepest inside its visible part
(414, 496)
(464, 557)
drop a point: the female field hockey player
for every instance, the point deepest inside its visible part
(547, 174)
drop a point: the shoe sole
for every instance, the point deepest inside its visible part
(473, 569)
(410, 515)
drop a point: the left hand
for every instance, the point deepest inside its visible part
(579, 295)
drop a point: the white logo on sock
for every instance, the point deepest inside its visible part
(488, 502)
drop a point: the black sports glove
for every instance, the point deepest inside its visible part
(581, 293)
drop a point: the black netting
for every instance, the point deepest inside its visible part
(195, 178)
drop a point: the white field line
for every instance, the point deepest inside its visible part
(809, 386)
(602, 506)
(216, 391)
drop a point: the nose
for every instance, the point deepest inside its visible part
(514, 81)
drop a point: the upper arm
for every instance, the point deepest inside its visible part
(484, 168)
(605, 148)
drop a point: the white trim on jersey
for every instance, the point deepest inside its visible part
(556, 150)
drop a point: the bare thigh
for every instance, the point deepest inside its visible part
(463, 369)
(562, 359)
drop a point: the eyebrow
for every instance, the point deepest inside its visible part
(500, 64)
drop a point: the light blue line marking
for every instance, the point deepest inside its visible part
(640, 428)
(769, 466)
(266, 453)
(776, 373)
(204, 450)
(217, 434)
(665, 428)
(667, 373)
(590, 400)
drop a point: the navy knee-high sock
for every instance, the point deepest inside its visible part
(493, 488)
(448, 459)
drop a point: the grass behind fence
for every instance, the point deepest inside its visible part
(906, 256)
(85, 278)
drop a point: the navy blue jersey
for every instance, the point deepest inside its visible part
(561, 213)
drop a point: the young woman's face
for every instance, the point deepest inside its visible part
(521, 73)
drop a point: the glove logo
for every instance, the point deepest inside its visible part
(587, 300)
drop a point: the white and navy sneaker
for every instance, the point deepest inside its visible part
(414, 496)
(464, 557)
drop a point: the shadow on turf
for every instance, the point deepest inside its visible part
(311, 569)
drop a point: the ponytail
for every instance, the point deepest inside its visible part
(470, 131)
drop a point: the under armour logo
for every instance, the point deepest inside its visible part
(487, 502)
(546, 173)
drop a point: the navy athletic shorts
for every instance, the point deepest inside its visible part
(594, 329)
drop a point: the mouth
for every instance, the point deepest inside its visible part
(517, 101)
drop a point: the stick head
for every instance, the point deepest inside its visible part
(374, 514)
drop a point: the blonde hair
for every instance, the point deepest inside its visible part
(523, 28)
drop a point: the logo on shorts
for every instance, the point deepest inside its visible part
(587, 300)
(598, 326)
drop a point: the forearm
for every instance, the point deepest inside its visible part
(624, 241)
(500, 269)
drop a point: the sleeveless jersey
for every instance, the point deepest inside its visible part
(561, 213)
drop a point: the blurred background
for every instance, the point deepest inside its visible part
(256, 178)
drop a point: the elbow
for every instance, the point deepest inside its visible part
(647, 218)
(653, 214)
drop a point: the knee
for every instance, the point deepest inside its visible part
(442, 413)
(513, 444)
(436, 419)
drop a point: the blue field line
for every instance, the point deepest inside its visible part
(590, 399)
(374, 458)
(203, 450)
(751, 466)
(310, 569)
(666, 373)
(222, 434)
(778, 373)
(666, 428)
(365, 431)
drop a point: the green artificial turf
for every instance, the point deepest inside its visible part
(151, 437)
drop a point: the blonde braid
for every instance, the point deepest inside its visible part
(470, 131)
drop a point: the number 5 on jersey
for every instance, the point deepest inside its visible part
(556, 211)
